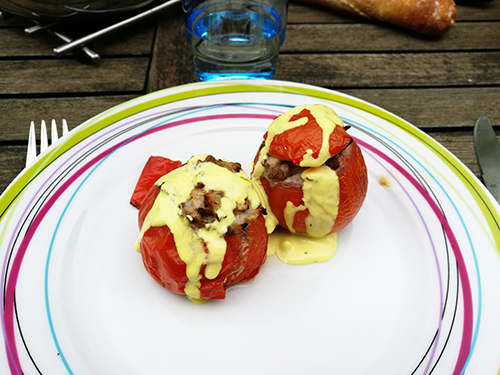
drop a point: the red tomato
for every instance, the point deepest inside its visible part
(156, 167)
(245, 252)
(279, 196)
(353, 184)
(353, 181)
(161, 260)
(147, 203)
(293, 144)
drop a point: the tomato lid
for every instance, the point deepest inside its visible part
(307, 135)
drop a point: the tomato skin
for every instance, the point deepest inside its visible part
(251, 258)
(155, 167)
(278, 197)
(147, 203)
(353, 184)
(162, 261)
(293, 144)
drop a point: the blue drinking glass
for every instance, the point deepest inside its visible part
(235, 39)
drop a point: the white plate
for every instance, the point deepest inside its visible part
(412, 289)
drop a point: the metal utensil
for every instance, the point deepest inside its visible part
(93, 56)
(65, 48)
(488, 155)
(44, 142)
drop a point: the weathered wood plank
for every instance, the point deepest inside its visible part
(391, 70)
(436, 108)
(70, 76)
(18, 113)
(14, 42)
(134, 40)
(172, 63)
(371, 37)
(425, 108)
(301, 12)
(12, 162)
(461, 145)
(433, 90)
(478, 11)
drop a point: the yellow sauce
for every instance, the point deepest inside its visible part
(384, 181)
(270, 219)
(299, 249)
(321, 184)
(321, 198)
(175, 188)
(326, 118)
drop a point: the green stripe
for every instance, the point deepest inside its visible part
(207, 89)
(474, 187)
(10, 213)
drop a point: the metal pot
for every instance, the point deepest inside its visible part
(60, 9)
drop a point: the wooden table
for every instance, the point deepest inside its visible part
(440, 84)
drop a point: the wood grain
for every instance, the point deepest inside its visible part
(12, 162)
(18, 113)
(466, 36)
(14, 42)
(347, 70)
(172, 63)
(426, 108)
(436, 108)
(301, 12)
(461, 145)
(133, 41)
(478, 11)
(440, 84)
(70, 76)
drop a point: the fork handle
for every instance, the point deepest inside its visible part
(90, 54)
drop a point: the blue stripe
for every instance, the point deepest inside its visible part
(59, 221)
(478, 275)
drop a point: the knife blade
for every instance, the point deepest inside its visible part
(488, 155)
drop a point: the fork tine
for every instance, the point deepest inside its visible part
(53, 132)
(44, 143)
(43, 137)
(64, 127)
(31, 153)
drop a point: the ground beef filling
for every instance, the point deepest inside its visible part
(202, 207)
(288, 174)
(233, 167)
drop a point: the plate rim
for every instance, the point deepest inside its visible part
(488, 206)
(191, 91)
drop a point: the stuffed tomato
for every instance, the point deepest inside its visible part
(202, 229)
(312, 172)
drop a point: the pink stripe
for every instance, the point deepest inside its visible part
(14, 363)
(12, 354)
(13, 276)
(464, 278)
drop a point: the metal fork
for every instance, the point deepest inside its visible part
(44, 143)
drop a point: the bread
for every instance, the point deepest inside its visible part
(423, 16)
